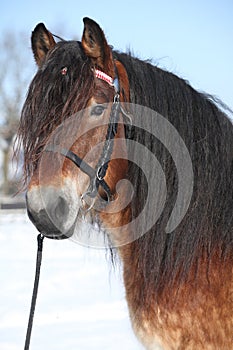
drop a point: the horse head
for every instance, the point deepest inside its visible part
(72, 128)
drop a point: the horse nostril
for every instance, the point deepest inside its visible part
(61, 210)
(56, 211)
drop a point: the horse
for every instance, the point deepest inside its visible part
(116, 141)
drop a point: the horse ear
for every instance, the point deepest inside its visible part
(42, 41)
(96, 47)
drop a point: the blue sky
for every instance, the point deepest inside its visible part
(193, 39)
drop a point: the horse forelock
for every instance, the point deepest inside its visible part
(61, 87)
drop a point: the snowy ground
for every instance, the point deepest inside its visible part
(81, 299)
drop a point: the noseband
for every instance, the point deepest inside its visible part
(98, 173)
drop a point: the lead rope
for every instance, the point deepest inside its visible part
(40, 239)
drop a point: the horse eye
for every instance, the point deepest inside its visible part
(97, 110)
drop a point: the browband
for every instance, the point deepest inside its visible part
(105, 77)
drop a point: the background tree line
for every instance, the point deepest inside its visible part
(16, 70)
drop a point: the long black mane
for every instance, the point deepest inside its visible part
(205, 129)
(208, 135)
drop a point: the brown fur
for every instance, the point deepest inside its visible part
(193, 315)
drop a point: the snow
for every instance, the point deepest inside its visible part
(80, 305)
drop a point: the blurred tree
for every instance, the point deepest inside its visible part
(17, 68)
(16, 64)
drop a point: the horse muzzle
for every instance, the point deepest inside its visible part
(53, 211)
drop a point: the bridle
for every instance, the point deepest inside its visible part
(98, 173)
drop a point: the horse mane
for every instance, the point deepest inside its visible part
(205, 129)
(206, 229)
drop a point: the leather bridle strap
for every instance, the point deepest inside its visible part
(97, 175)
(91, 172)
(84, 167)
